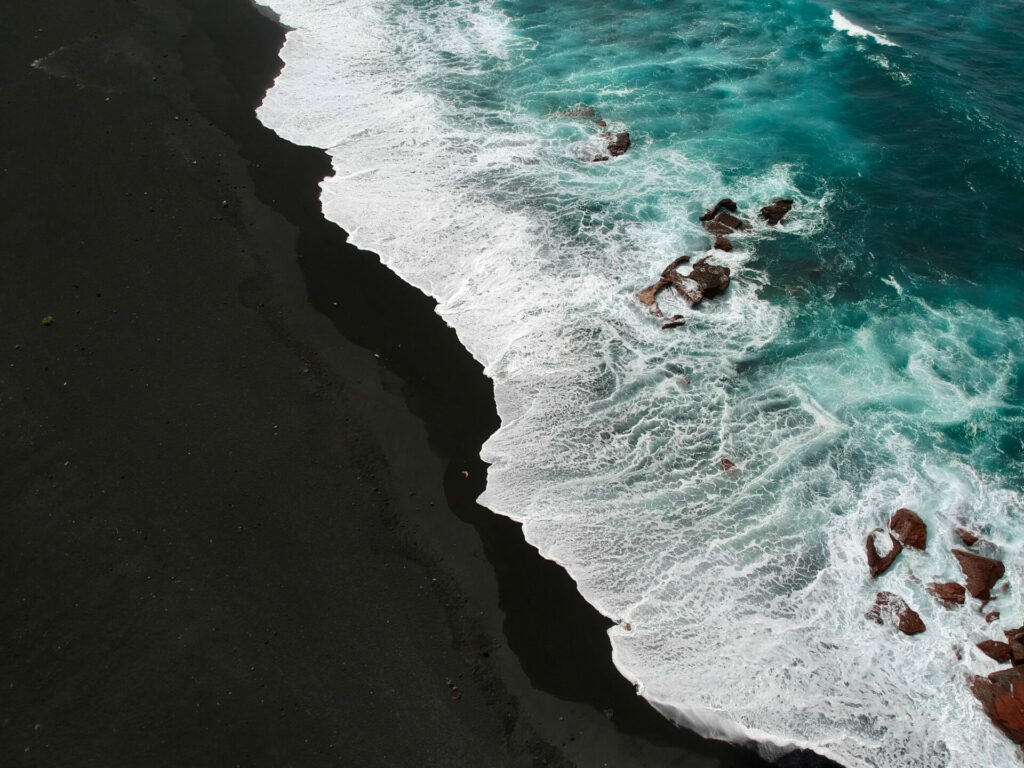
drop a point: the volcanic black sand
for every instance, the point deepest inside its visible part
(235, 526)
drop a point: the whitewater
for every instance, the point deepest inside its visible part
(859, 362)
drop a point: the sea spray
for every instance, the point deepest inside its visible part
(838, 397)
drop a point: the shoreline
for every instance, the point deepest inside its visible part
(237, 413)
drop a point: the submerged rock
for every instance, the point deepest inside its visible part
(949, 594)
(580, 110)
(909, 528)
(982, 572)
(893, 610)
(775, 212)
(722, 243)
(878, 563)
(674, 322)
(995, 650)
(1002, 698)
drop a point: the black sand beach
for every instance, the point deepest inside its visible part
(235, 525)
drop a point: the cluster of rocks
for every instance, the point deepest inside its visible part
(1001, 693)
(705, 281)
(615, 144)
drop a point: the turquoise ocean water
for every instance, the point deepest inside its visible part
(869, 354)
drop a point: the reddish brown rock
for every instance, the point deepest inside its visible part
(711, 280)
(1015, 639)
(728, 467)
(982, 572)
(723, 243)
(893, 609)
(909, 528)
(775, 212)
(725, 203)
(1002, 698)
(673, 322)
(878, 563)
(993, 616)
(618, 143)
(967, 537)
(600, 123)
(995, 650)
(949, 594)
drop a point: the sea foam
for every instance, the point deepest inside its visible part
(744, 595)
(843, 24)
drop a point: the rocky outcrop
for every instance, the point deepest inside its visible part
(995, 650)
(705, 281)
(878, 563)
(949, 593)
(775, 212)
(725, 204)
(580, 110)
(617, 143)
(982, 573)
(1002, 698)
(1015, 639)
(711, 280)
(893, 610)
(722, 243)
(969, 538)
(724, 223)
(909, 528)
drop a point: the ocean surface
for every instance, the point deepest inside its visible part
(869, 354)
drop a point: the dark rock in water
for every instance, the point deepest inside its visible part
(724, 223)
(674, 322)
(649, 296)
(992, 616)
(722, 243)
(893, 609)
(967, 537)
(1002, 697)
(995, 650)
(1015, 639)
(878, 563)
(723, 204)
(705, 281)
(600, 123)
(711, 280)
(909, 528)
(717, 228)
(580, 110)
(618, 143)
(982, 572)
(599, 158)
(775, 212)
(949, 594)
(669, 272)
